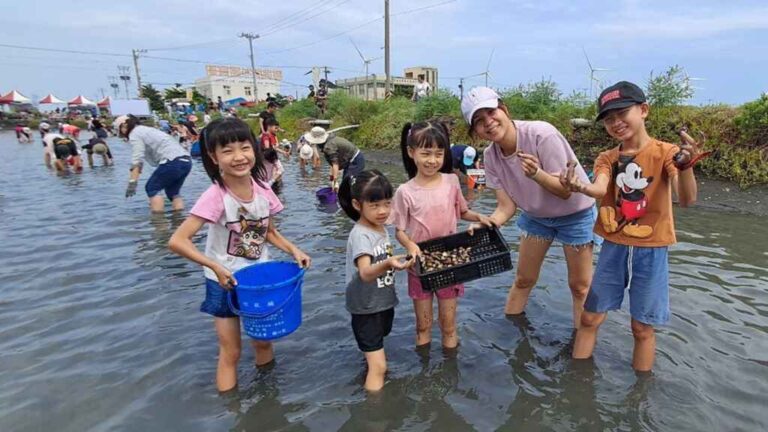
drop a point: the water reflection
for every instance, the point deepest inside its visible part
(93, 302)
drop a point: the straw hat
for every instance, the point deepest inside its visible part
(316, 135)
(306, 152)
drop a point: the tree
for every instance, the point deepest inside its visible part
(197, 97)
(670, 88)
(155, 98)
(175, 92)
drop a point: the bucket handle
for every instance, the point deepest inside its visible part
(263, 314)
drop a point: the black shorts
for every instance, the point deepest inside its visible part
(370, 329)
(63, 151)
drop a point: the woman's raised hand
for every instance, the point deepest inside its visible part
(569, 179)
(530, 163)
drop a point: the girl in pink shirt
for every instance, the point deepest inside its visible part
(429, 205)
(238, 208)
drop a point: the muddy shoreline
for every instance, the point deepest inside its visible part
(714, 194)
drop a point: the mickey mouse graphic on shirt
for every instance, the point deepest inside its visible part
(631, 201)
(246, 236)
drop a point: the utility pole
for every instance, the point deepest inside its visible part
(461, 88)
(125, 76)
(101, 89)
(251, 37)
(136, 53)
(113, 83)
(387, 82)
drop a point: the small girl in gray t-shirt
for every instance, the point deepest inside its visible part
(371, 296)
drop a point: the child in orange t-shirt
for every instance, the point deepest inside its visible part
(633, 184)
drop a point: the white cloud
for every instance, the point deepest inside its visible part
(692, 25)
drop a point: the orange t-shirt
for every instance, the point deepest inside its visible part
(637, 210)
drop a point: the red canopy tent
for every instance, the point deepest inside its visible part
(51, 99)
(80, 100)
(13, 97)
(104, 103)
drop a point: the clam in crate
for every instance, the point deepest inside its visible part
(462, 257)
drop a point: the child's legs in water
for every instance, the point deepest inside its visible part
(370, 331)
(377, 368)
(264, 352)
(579, 262)
(645, 346)
(446, 310)
(531, 255)
(228, 331)
(423, 309)
(586, 334)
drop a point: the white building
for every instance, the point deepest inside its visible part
(372, 87)
(230, 82)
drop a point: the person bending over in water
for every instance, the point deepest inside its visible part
(99, 146)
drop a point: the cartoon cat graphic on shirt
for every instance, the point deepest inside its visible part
(246, 236)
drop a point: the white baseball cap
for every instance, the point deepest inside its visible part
(45, 126)
(477, 99)
(306, 152)
(469, 156)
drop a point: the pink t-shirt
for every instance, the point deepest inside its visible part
(542, 140)
(427, 213)
(237, 230)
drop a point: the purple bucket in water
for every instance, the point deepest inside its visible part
(326, 195)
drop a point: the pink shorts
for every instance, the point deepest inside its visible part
(417, 293)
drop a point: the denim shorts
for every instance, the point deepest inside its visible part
(355, 166)
(571, 230)
(170, 177)
(644, 270)
(215, 302)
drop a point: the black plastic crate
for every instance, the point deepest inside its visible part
(489, 255)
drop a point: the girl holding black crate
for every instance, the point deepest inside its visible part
(428, 206)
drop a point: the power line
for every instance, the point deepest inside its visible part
(357, 27)
(328, 38)
(295, 15)
(64, 51)
(215, 42)
(422, 8)
(269, 32)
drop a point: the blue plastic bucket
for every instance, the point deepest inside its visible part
(268, 299)
(326, 195)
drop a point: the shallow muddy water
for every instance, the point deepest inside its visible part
(100, 328)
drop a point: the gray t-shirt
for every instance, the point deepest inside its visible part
(369, 297)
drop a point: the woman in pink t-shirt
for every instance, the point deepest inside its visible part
(238, 208)
(429, 205)
(523, 164)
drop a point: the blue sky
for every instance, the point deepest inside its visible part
(722, 42)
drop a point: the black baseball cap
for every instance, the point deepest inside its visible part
(620, 95)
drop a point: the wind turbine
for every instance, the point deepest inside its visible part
(366, 62)
(592, 71)
(688, 80)
(487, 67)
